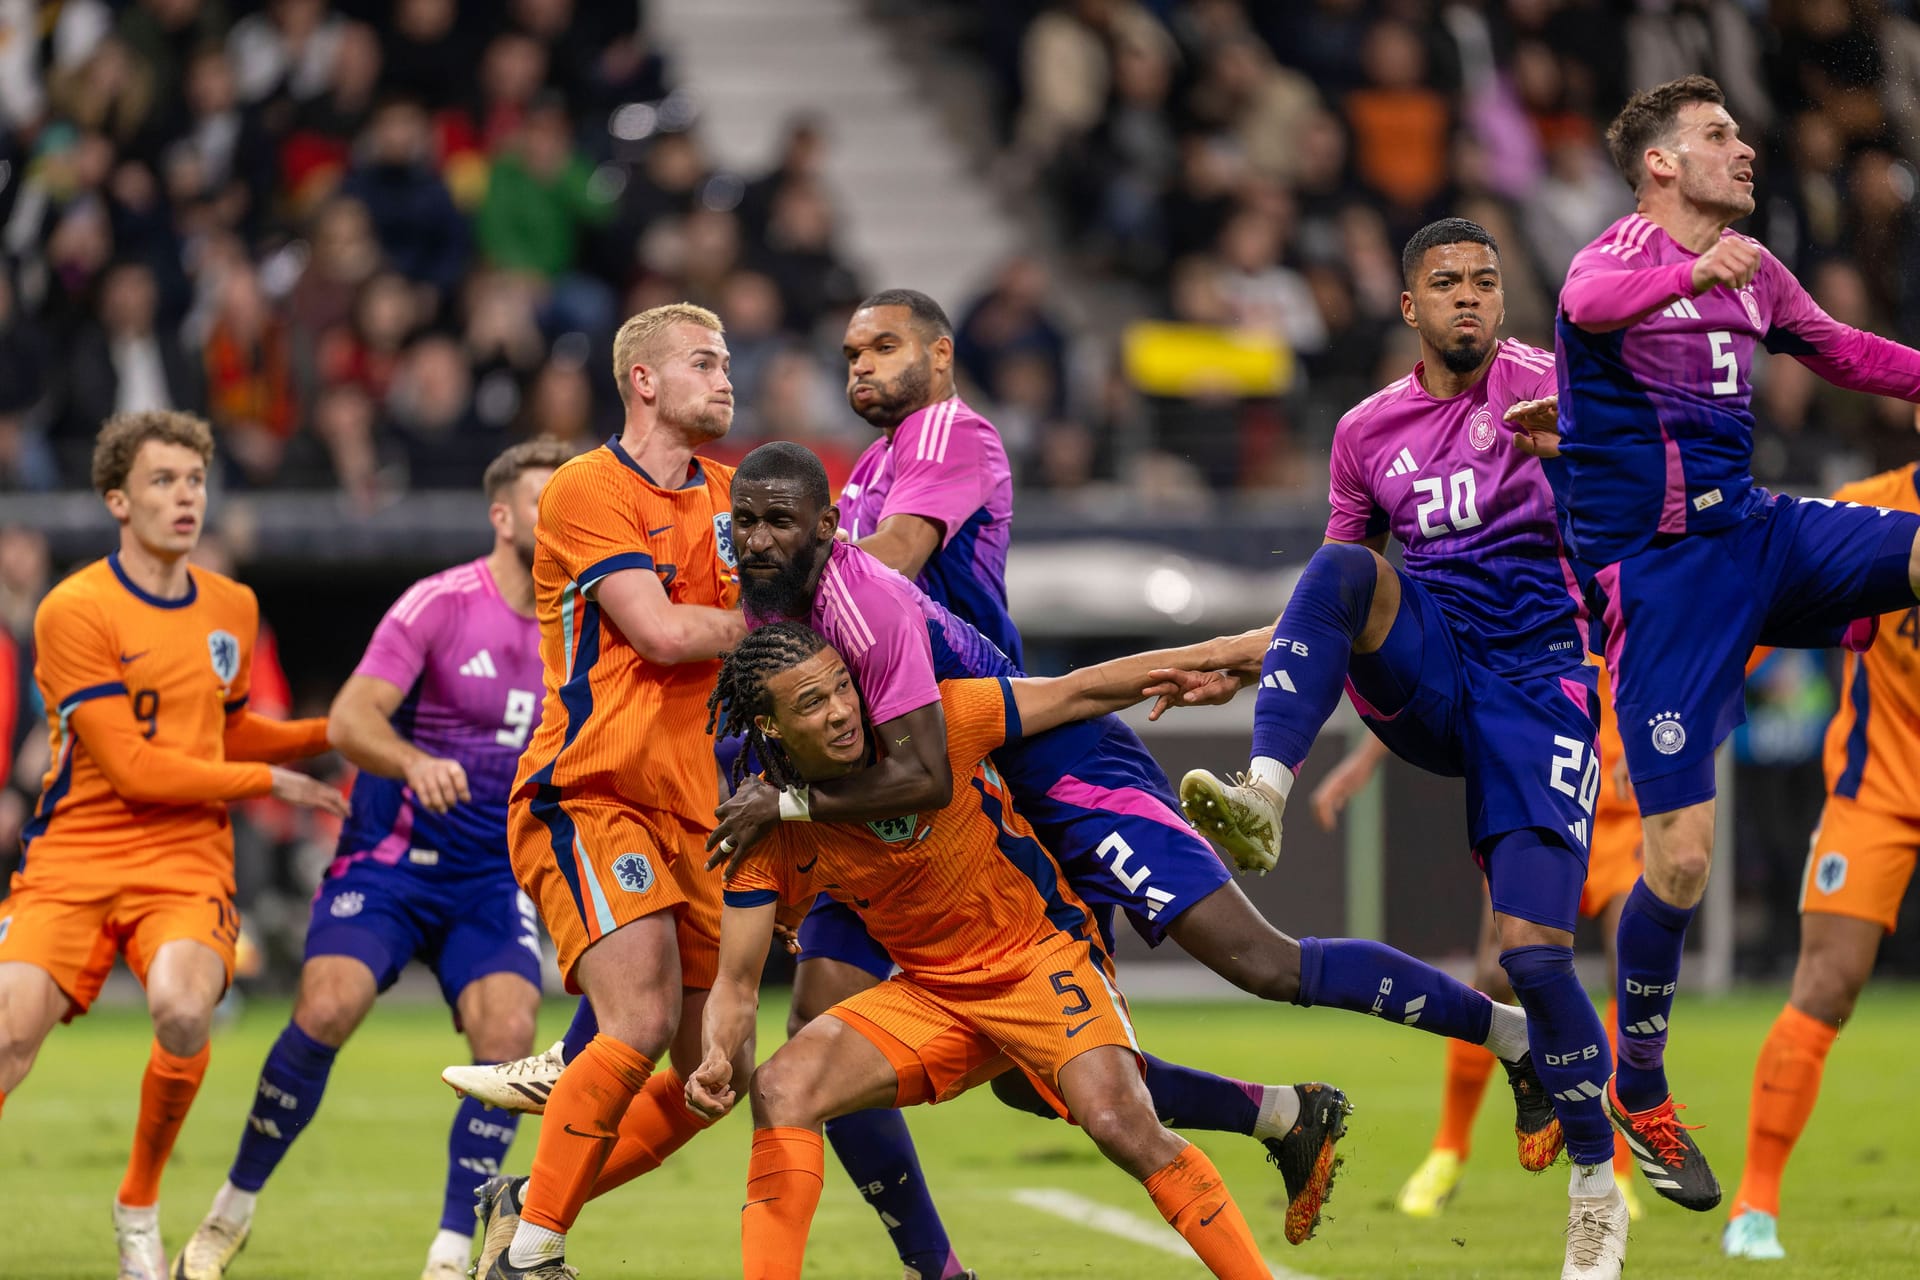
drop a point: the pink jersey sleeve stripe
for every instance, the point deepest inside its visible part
(840, 600)
(935, 430)
(1630, 238)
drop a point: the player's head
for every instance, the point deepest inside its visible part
(1454, 296)
(899, 350)
(783, 525)
(1677, 137)
(513, 482)
(790, 693)
(672, 365)
(151, 468)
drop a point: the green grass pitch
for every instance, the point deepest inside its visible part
(359, 1194)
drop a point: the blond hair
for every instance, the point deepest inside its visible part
(121, 436)
(637, 339)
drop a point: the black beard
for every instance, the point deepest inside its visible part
(784, 595)
(1466, 358)
(890, 406)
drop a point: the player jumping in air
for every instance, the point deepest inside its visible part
(1001, 964)
(1470, 661)
(435, 715)
(145, 666)
(1687, 565)
(635, 590)
(1858, 868)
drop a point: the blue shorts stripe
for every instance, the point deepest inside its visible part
(564, 839)
(1849, 781)
(749, 897)
(1036, 864)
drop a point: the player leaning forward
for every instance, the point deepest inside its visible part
(1001, 963)
(1684, 560)
(144, 665)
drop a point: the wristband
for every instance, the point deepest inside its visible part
(796, 805)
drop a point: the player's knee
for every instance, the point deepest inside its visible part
(1681, 876)
(1126, 1133)
(1344, 575)
(504, 1035)
(1827, 987)
(326, 1016)
(647, 1031)
(782, 1095)
(1013, 1089)
(182, 1025)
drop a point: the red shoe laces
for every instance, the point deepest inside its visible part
(1661, 1128)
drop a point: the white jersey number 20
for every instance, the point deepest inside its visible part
(1460, 500)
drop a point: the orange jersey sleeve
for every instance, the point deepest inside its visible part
(615, 726)
(257, 737)
(1873, 744)
(138, 693)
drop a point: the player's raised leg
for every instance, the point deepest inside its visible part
(1344, 603)
(497, 1012)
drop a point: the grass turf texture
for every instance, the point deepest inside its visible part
(360, 1192)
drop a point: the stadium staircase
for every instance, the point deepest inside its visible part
(912, 211)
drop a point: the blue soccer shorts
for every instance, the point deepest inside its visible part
(1681, 618)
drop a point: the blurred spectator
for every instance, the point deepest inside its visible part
(287, 49)
(560, 404)
(750, 306)
(420, 230)
(250, 389)
(1400, 123)
(25, 462)
(428, 53)
(1260, 292)
(366, 351)
(1580, 198)
(540, 198)
(123, 364)
(430, 405)
(341, 257)
(1012, 320)
(318, 144)
(799, 256)
(1261, 105)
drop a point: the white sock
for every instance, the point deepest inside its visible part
(1507, 1032)
(1276, 775)
(231, 1204)
(450, 1246)
(1279, 1111)
(127, 1215)
(1591, 1180)
(534, 1245)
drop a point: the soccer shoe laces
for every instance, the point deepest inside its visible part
(538, 1064)
(1587, 1235)
(1661, 1128)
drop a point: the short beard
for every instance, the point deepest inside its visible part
(706, 423)
(784, 595)
(891, 406)
(1464, 359)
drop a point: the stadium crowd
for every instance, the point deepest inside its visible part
(373, 245)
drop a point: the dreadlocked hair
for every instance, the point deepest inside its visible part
(739, 696)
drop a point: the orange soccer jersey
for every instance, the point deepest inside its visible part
(1863, 854)
(997, 953)
(1613, 855)
(129, 846)
(618, 785)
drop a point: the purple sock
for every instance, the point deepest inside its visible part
(1569, 1044)
(1306, 665)
(584, 1027)
(1652, 933)
(291, 1081)
(876, 1150)
(1184, 1098)
(1371, 977)
(476, 1146)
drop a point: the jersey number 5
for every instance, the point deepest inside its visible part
(1726, 360)
(1460, 500)
(521, 706)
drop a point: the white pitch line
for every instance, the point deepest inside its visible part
(1127, 1226)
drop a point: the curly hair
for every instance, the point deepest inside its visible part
(122, 435)
(740, 696)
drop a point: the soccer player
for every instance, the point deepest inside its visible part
(1468, 662)
(1613, 864)
(1684, 560)
(1001, 963)
(1858, 868)
(435, 716)
(144, 665)
(635, 587)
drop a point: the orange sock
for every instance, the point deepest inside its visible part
(783, 1189)
(166, 1092)
(1622, 1157)
(655, 1126)
(1468, 1068)
(581, 1125)
(1786, 1082)
(1191, 1196)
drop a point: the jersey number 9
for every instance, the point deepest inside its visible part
(146, 708)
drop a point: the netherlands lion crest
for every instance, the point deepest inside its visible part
(896, 830)
(723, 538)
(1831, 872)
(634, 872)
(223, 647)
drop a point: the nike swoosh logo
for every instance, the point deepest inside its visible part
(654, 533)
(1208, 1220)
(592, 1137)
(749, 1204)
(805, 867)
(134, 657)
(1074, 1031)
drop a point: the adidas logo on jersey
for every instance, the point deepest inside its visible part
(480, 664)
(1403, 465)
(1682, 310)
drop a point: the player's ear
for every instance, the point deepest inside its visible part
(830, 523)
(1409, 312)
(117, 505)
(1660, 162)
(941, 349)
(767, 726)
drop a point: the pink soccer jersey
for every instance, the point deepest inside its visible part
(1475, 515)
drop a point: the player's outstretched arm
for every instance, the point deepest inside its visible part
(144, 773)
(251, 736)
(1601, 297)
(1046, 702)
(360, 727)
(745, 934)
(1843, 355)
(665, 633)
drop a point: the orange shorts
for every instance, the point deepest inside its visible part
(1613, 859)
(593, 866)
(1859, 863)
(73, 929)
(944, 1041)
